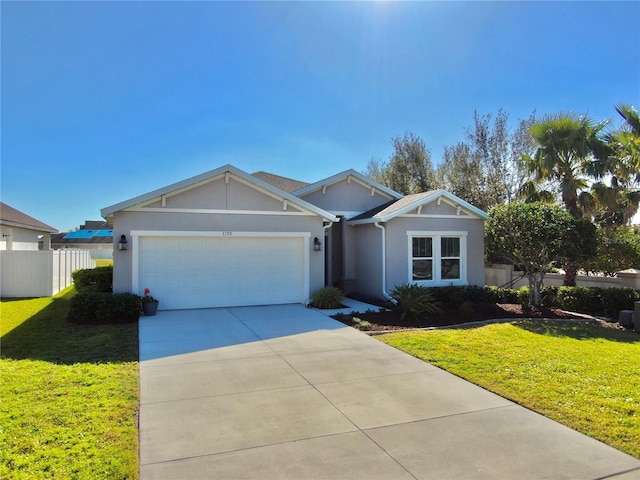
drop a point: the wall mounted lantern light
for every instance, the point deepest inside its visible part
(317, 246)
(122, 244)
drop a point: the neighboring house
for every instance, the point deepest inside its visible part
(21, 232)
(95, 236)
(229, 238)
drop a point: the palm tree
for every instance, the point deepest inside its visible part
(624, 144)
(569, 151)
(619, 201)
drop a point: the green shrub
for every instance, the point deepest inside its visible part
(89, 307)
(455, 296)
(466, 309)
(597, 300)
(414, 300)
(362, 324)
(327, 298)
(523, 295)
(501, 295)
(616, 299)
(98, 279)
(579, 299)
(549, 296)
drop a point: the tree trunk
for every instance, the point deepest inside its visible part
(570, 273)
(535, 288)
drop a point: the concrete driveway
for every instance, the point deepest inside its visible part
(285, 392)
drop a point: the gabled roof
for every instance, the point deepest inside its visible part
(208, 176)
(392, 209)
(341, 176)
(289, 185)
(12, 217)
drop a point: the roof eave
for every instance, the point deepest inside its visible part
(109, 211)
(24, 226)
(339, 176)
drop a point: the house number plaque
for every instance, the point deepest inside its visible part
(227, 234)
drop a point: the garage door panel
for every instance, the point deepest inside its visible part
(199, 272)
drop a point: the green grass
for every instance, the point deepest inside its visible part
(103, 262)
(69, 394)
(585, 376)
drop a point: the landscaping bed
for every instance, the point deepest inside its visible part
(391, 320)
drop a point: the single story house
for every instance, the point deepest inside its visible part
(230, 238)
(21, 232)
(94, 235)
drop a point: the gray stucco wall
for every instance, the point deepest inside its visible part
(346, 197)
(216, 195)
(398, 250)
(368, 260)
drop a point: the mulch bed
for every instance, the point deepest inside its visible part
(390, 320)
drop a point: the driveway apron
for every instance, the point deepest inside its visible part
(285, 392)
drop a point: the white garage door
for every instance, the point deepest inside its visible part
(201, 272)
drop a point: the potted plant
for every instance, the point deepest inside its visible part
(149, 304)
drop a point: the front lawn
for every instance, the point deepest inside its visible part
(69, 394)
(586, 376)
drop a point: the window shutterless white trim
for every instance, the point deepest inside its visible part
(436, 237)
(137, 234)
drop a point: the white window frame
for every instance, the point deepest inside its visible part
(436, 237)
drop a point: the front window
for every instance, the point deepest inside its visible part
(422, 258)
(437, 258)
(450, 258)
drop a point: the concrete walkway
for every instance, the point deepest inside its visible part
(284, 392)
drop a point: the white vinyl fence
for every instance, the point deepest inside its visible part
(39, 273)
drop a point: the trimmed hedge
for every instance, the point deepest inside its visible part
(98, 279)
(597, 300)
(91, 307)
(591, 300)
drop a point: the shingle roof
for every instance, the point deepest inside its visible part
(95, 225)
(15, 218)
(406, 204)
(389, 208)
(289, 185)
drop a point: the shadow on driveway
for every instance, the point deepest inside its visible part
(180, 332)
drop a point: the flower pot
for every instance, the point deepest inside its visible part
(150, 308)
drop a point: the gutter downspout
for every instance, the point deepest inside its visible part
(384, 264)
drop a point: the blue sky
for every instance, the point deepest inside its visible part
(105, 101)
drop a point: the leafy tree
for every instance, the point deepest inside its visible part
(459, 173)
(409, 169)
(618, 249)
(533, 236)
(487, 168)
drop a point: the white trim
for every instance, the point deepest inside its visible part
(228, 212)
(436, 196)
(435, 215)
(437, 257)
(348, 175)
(217, 233)
(236, 173)
(135, 236)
